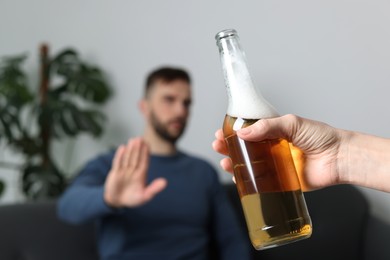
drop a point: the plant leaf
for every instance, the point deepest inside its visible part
(40, 182)
(90, 121)
(9, 125)
(66, 119)
(14, 95)
(81, 79)
(2, 187)
(90, 85)
(13, 82)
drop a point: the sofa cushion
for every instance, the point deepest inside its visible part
(31, 231)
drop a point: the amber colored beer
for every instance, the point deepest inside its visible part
(269, 188)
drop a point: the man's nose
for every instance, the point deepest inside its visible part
(181, 109)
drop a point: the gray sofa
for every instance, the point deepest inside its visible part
(343, 229)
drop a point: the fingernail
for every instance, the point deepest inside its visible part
(244, 131)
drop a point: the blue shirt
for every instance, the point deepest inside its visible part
(181, 222)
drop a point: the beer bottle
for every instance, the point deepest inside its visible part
(266, 179)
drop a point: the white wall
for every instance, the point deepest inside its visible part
(326, 60)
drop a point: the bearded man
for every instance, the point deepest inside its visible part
(151, 200)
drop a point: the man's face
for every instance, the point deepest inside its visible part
(168, 108)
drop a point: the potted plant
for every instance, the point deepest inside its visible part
(64, 105)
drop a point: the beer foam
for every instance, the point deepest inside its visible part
(244, 100)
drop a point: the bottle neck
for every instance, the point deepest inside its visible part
(244, 100)
(234, 64)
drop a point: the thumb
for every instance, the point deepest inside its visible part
(155, 187)
(271, 128)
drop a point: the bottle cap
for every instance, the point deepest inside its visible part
(225, 33)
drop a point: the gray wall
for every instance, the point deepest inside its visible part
(326, 60)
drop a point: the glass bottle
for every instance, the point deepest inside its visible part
(267, 182)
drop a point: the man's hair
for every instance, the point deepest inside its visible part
(166, 75)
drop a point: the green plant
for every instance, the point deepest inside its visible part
(1, 187)
(64, 105)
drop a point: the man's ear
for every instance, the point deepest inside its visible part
(143, 106)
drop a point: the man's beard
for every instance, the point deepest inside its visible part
(163, 131)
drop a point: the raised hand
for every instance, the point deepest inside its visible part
(125, 185)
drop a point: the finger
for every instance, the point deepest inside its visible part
(220, 147)
(154, 187)
(135, 154)
(256, 132)
(118, 157)
(143, 161)
(127, 153)
(272, 128)
(284, 127)
(227, 165)
(219, 134)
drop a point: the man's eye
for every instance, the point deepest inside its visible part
(169, 99)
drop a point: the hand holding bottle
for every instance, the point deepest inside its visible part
(333, 156)
(319, 142)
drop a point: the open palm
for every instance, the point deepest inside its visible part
(126, 185)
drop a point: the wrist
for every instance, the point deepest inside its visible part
(109, 200)
(366, 161)
(343, 159)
